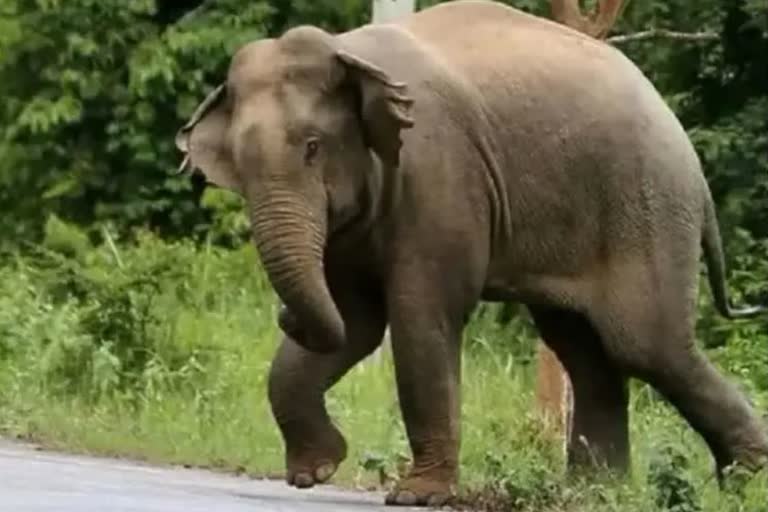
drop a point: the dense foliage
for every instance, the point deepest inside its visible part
(122, 289)
(94, 91)
(161, 350)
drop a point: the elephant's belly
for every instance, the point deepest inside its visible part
(499, 293)
(561, 292)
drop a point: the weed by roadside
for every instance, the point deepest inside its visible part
(160, 351)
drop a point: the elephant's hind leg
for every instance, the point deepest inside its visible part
(648, 329)
(298, 381)
(599, 429)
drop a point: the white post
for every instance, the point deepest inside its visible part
(384, 11)
(387, 10)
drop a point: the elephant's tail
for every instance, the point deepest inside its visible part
(713, 254)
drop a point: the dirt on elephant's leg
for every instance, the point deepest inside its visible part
(314, 447)
(554, 395)
(598, 436)
(298, 381)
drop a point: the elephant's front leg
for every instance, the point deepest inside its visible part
(298, 381)
(426, 333)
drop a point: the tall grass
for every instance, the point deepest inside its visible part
(160, 351)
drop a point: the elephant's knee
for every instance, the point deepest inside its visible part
(294, 383)
(276, 387)
(282, 382)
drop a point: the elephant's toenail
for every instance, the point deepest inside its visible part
(404, 498)
(324, 472)
(438, 500)
(303, 480)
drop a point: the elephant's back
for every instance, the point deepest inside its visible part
(461, 22)
(572, 126)
(470, 34)
(493, 46)
(545, 89)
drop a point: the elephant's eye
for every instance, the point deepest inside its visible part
(313, 146)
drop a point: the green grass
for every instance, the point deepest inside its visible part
(160, 351)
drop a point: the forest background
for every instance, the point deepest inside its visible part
(134, 318)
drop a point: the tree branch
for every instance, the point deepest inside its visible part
(664, 34)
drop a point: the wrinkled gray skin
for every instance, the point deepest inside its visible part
(398, 174)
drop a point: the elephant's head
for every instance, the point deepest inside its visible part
(296, 129)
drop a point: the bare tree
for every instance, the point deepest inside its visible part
(599, 22)
(661, 33)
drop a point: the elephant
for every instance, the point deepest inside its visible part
(398, 174)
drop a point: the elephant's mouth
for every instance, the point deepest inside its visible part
(343, 224)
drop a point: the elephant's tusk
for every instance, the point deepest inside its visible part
(183, 167)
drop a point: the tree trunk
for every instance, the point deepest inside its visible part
(554, 396)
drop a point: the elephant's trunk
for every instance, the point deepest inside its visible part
(291, 240)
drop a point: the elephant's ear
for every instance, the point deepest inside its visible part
(386, 106)
(205, 142)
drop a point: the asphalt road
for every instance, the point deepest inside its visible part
(39, 481)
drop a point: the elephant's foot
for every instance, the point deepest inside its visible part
(424, 489)
(752, 455)
(315, 461)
